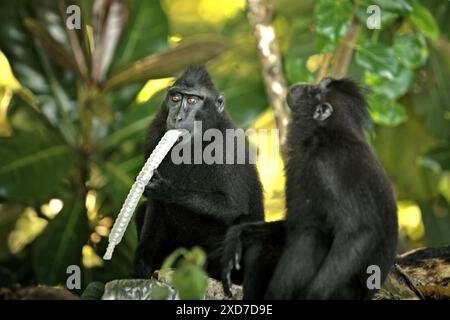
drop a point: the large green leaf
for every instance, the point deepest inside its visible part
(190, 281)
(189, 278)
(61, 243)
(441, 11)
(387, 17)
(424, 21)
(32, 164)
(52, 47)
(245, 103)
(53, 86)
(18, 47)
(168, 63)
(411, 50)
(400, 6)
(437, 159)
(377, 59)
(392, 89)
(146, 32)
(436, 219)
(9, 214)
(132, 125)
(94, 291)
(431, 97)
(333, 18)
(385, 111)
(120, 176)
(296, 71)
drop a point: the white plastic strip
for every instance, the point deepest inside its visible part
(125, 214)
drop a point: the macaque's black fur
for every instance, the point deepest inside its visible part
(341, 212)
(193, 204)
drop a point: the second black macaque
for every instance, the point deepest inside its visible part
(192, 204)
(341, 212)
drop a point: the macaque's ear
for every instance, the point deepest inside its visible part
(323, 111)
(220, 103)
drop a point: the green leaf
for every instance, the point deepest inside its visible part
(431, 99)
(424, 21)
(385, 111)
(296, 71)
(132, 125)
(146, 32)
(323, 44)
(169, 262)
(9, 214)
(94, 291)
(61, 243)
(392, 89)
(387, 17)
(120, 178)
(244, 103)
(160, 292)
(168, 63)
(411, 50)
(437, 159)
(196, 256)
(190, 281)
(400, 6)
(53, 48)
(378, 59)
(54, 87)
(17, 45)
(333, 18)
(436, 219)
(32, 165)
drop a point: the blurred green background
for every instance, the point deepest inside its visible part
(75, 104)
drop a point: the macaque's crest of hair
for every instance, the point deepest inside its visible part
(360, 107)
(194, 76)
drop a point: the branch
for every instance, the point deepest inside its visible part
(343, 54)
(323, 72)
(74, 42)
(260, 17)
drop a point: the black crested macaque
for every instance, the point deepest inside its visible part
(341, 212)
(194, 204)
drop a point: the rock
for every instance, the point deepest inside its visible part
(160, 287)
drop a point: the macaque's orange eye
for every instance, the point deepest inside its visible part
(192, 100)
(175, 97)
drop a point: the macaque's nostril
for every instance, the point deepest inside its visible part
(179, 117)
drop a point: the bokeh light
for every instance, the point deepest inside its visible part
(410, 220)
(27, 228)
(52, 208)
(90, 258)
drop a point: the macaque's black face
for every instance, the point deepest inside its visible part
(188, 105)
(335, 105)
(193, 97)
